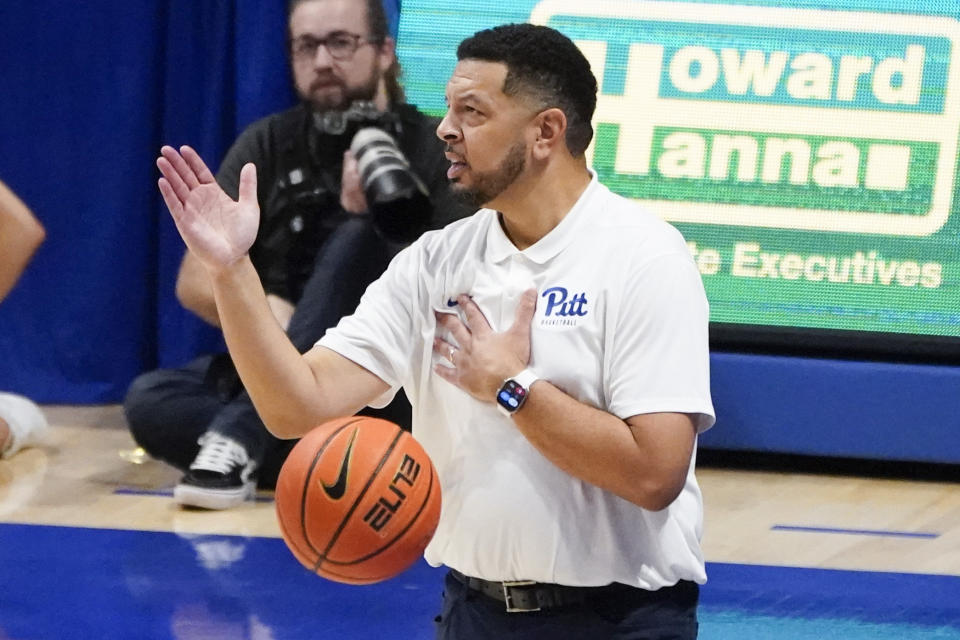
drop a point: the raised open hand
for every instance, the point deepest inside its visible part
(216, 229)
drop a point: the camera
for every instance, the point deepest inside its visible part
(360, 114)
(396, 197)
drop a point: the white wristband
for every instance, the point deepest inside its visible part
(513, 393)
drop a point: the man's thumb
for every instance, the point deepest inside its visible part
(248, 184)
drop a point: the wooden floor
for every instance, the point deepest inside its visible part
(89, 475)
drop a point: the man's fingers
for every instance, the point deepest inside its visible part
(169, 197)
(180, 165)
(476, 321)
(525, 310)
(349, 161)
(248, 184)
(180, 219)
(452, 324)
(352, 198)
(447, 373)
(177, 186)
(444, 349)
(198, 167)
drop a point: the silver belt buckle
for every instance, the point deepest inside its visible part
(508, 597)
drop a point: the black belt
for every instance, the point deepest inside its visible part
(526, 595)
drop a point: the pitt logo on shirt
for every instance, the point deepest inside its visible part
(561, 308)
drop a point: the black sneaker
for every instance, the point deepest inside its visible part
(222, 475)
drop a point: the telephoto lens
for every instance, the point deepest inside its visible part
(397, 198)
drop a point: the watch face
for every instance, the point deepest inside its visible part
(511, 396)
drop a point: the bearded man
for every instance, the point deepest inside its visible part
(318, 245)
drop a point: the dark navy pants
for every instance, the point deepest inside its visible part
(168, 410)
(626, 614)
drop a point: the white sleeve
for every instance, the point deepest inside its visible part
(657, 353)
(381, 335)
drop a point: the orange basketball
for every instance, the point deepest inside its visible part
(358, 500)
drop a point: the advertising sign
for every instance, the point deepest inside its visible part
(808, 155)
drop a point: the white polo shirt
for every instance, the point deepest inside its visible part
(620, 324)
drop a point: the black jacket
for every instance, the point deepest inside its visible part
(298, 187)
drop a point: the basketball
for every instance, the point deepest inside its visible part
(357, 500)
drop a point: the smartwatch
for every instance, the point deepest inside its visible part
(514, 391)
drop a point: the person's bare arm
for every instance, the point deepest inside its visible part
(643, 459)
(20, 236)
(292, 392)
(194, 290)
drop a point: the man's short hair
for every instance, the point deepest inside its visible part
(544, 65)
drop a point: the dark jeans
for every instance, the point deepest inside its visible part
(169, 409)
(628, 614)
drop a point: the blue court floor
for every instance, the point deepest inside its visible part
(65, 582)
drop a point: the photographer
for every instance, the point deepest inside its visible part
(332, 219)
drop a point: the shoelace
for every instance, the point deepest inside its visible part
(219, 454)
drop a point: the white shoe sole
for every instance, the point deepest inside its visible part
(214, 499)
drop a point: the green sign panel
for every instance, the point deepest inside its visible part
(808, 155)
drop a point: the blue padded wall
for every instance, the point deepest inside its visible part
(835, 408)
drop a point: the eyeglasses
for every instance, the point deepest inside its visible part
(341, 45)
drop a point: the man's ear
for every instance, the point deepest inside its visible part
(386, 58)
(551, 133)
(387, 53)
